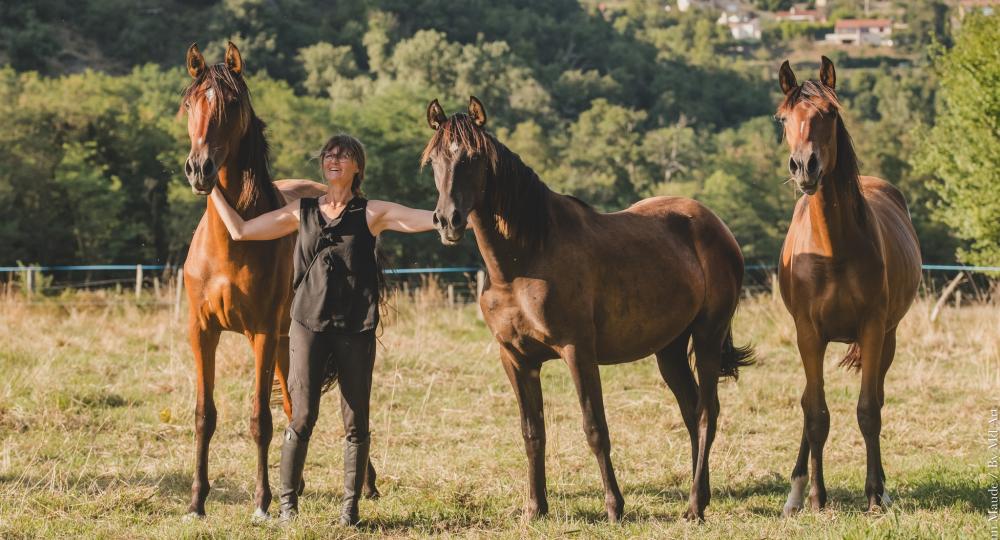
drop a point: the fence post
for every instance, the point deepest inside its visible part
(451, 294)
(775, 290)
(156, 288)
(29, 280)
(480, 285)
(177, 294)
(138, 281)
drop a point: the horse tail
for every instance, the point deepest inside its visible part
(733, 357)
(278, 399)
(852, 360)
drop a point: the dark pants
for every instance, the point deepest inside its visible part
(312, 355)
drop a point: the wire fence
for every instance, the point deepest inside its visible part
(162, 284)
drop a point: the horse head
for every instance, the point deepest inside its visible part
(809, 114)
(461, 153)
(217, 103)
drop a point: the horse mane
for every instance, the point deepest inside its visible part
(516, 197)
(253, 160)
(825, 99)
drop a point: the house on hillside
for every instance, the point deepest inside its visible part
(986, 7)
(797, 14)
(743, 25)
(875, 32)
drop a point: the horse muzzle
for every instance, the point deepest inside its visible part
(451, 229)
(202, 176)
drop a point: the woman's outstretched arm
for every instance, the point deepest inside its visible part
(274, 224)
(388, 216)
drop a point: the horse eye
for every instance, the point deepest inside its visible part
(187, 105)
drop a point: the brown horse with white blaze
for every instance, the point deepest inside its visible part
(243, 287)
(565, 281)
(849, 270)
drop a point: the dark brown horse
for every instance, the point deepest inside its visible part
(849, 271)
(564, 281)
(243, 287)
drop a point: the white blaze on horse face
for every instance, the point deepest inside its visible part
(454, 148)
(796, 496)
(802, 127)
(210, 94)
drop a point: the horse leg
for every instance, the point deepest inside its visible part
(281, 371)
(796, 497)
(888, 354)
(816, 428)
(265, 347)
(587, 378)
(870, 409)
(674, 368)
(708, 362)
(525, 379)
(203, 344)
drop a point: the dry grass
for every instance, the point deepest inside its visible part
(97, 434)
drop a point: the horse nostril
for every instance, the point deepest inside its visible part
(456, 219)
(813, 165)
(208, 168)
(188, 169)
(792, 166)
(435, 220)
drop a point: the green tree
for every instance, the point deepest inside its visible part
(962, 150)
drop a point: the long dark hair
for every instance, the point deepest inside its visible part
(350, 147)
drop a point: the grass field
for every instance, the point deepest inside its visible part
(97, 429)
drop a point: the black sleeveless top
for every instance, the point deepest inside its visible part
(336, 276)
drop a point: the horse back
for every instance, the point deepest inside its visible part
(638, 277)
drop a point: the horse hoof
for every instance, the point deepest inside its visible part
(533, 512)
(691, 515)
(876, 507)
(260, 516)
(192, 516)
(372, 494)
(791, 509)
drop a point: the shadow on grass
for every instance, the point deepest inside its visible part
(172, 488)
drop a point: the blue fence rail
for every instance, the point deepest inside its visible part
(30, 278)
(437, 270)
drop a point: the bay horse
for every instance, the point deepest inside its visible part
(565, 281)
(243, 287)
(849, 270)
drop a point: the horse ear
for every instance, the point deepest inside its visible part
(435, 115)
(786, 78)
(477, 111)
(233, 59)
(195, 61)
(827, 75)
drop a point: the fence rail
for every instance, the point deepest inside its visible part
(761, 278)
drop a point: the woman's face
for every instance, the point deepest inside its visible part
(338, 168)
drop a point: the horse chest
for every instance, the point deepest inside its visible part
(517, 323)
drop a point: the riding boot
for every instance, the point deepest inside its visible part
(293, 460)
(355, 467)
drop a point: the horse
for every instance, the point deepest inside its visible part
(848, 272)
(565, 281)
(243, 287)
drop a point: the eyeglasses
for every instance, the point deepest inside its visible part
(337, 157)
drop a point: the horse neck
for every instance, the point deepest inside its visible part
(837, 213)
(232, 176)
(503, 258)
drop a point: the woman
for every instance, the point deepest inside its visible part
(335, 309)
